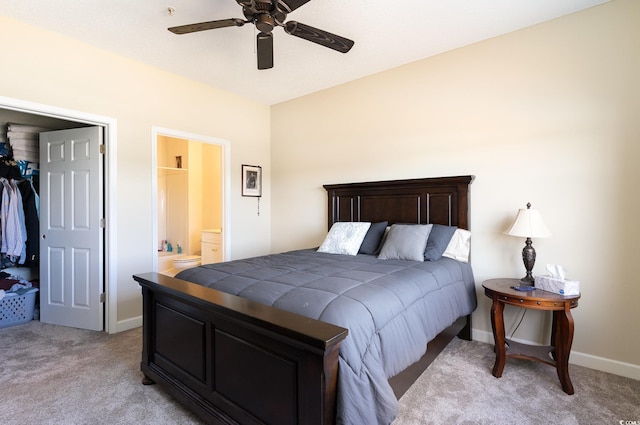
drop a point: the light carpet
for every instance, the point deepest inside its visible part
(57, 375)
(458, 388)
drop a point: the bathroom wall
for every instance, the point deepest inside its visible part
(194, 209)
(173, 191)
(205, 191)
(212, 189)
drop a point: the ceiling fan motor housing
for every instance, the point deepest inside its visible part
(264, 14)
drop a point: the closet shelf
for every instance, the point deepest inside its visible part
(165, 171)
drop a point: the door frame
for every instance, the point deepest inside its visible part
(226, 183)
(110, 126)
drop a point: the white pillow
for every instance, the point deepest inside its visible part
(405, 242)
(459, 246)
(345, 238)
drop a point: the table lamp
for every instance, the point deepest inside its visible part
(528, 224)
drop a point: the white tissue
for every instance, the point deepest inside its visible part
(557, 271)
(556, 281)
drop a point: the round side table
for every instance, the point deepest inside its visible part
(556, 354)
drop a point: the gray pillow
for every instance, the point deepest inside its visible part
(406, 242)
(438, 241)
(372, 239)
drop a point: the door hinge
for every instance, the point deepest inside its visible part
(103, 222)
(103, 297)
(103, 149)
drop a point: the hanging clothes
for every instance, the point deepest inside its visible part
(12, 222)
(30, 202)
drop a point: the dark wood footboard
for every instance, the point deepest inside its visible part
(232, 360)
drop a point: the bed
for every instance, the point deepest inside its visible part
(240, 354)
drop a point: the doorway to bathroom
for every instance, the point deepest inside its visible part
(191, 178)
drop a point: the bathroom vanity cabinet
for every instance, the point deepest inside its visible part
(212, 246)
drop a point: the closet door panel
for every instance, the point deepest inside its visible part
(56, 273)
(72, 242)
(56, 200)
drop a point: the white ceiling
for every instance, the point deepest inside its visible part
(386, 34)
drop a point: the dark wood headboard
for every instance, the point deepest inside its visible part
(439, 200)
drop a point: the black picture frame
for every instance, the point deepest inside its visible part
(251, 180)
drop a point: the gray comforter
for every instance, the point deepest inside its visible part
(392, 308)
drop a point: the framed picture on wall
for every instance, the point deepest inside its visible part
(251, 180)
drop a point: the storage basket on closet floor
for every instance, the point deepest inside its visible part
(17, 309)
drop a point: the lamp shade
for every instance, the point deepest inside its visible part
(529, 224)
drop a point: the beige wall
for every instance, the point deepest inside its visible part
(45, 68)
(547, 115)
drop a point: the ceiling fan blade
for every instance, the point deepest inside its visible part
(318, 36)
(265, 50)
(210, 25)
(290, 5)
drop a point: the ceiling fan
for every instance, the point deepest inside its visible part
(266, 15)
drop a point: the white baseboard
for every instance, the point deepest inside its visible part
(128, 324)
(606, 365)
(581, 359)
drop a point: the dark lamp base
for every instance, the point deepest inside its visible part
(529, 259)
(528, 280)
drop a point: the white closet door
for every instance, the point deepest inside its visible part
(72, 234)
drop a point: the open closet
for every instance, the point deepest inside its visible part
(20, 213)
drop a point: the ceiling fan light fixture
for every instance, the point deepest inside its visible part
(264, 22)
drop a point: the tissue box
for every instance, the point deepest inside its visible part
(557, 285)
